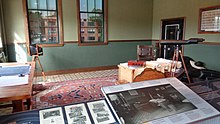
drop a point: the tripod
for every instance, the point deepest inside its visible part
(35, 58)
(35, 51)
(176, 54)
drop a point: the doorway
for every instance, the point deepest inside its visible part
(171, 29)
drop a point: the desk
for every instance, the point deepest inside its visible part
(18, 93)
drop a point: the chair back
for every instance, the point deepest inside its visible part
(145, 52)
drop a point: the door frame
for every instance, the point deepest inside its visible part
(171, 19)
(161, 31)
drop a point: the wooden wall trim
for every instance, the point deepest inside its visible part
(205, 43)
(77, 70)
(148, 40)
(140, 40)
(210, 43)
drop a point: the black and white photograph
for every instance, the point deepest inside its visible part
(146, 104)
(51, 116)
(100, 112)
(77, 114)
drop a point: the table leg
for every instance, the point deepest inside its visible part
(29, 104)
(18, 105)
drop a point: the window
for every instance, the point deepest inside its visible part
(91, 38)
(92, 21)
(44, 22)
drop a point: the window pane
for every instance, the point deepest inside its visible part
(84, 17)
(51, 4)
(100, 34)
(91, 17)
(32, 4)
(42, 4)
(91, 30)
(91, 24)
(83, 33)
(99, 20)
(51, 35)
(52, 19)
(37, 35)
(83, 5)
(91, 6)
(35, 18)
(98, 5)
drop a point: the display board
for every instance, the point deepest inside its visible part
(164, 101)
(209, 20)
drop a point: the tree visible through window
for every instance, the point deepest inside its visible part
(44, 21)
(92, 21)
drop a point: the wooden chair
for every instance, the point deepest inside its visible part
(145, 52)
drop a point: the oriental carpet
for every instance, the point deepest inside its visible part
(69, 92)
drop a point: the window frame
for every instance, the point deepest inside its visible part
(60, 26)
(105, 32)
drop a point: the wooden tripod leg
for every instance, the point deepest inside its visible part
(36, 58)
(41, 67)
(172, 73)
(184, 65)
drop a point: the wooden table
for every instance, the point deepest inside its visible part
(18, 94)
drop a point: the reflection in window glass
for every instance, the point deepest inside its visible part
(91, 38)
(91, 30)
(83, 16)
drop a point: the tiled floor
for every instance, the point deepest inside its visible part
(64, 77)
(74, 76)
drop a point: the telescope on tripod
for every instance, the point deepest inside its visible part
(177, 52)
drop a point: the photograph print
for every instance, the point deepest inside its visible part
(77, 114)
(146, 104)
(51, 116)
(100, 112)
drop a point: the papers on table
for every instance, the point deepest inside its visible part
(14, 75)
(13, 80)
(14, 70)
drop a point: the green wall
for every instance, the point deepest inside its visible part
(72, 56)
(127, 20)
(164, 9)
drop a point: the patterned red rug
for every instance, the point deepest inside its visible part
(74, 91)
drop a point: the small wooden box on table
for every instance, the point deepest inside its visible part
(18, 94)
